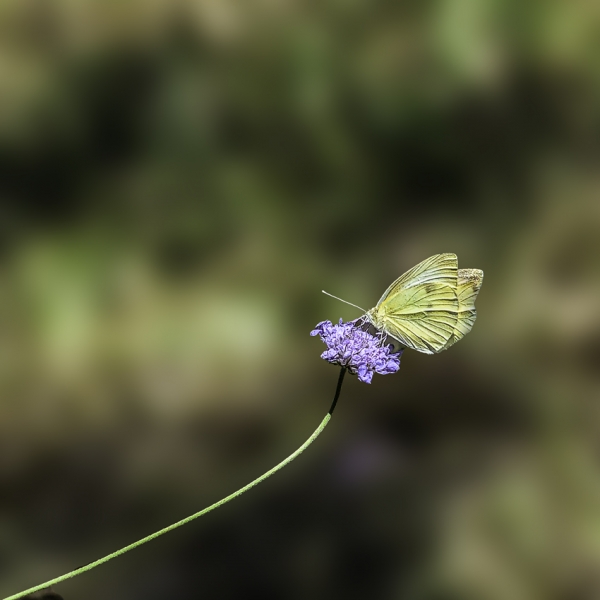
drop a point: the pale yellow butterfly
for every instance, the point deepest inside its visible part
(430, 307)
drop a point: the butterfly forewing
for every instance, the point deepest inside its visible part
(440, 268)
(420, 308)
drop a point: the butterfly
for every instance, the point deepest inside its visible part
(430, 307)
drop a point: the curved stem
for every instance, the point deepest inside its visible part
(338, 389)
(153, 536)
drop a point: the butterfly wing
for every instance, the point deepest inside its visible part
(440, 268)
(420, 308)
(468, 285)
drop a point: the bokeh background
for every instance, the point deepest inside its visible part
(180, 179)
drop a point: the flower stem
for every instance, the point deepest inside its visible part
(153, 536)
(338, 389)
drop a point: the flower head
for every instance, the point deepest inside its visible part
(356, 349)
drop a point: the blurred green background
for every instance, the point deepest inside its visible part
(180, 179)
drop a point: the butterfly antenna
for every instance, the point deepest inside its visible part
(344, 301)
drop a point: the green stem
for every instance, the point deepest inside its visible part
(153, 536)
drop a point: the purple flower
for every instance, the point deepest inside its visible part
(357, 350)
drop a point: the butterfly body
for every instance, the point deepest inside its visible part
(431, 306)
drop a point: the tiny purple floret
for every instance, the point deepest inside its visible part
(357, 350)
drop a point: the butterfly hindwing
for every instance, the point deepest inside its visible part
(426, 333)
(468, 285)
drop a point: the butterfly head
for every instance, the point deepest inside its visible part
(375, 316)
